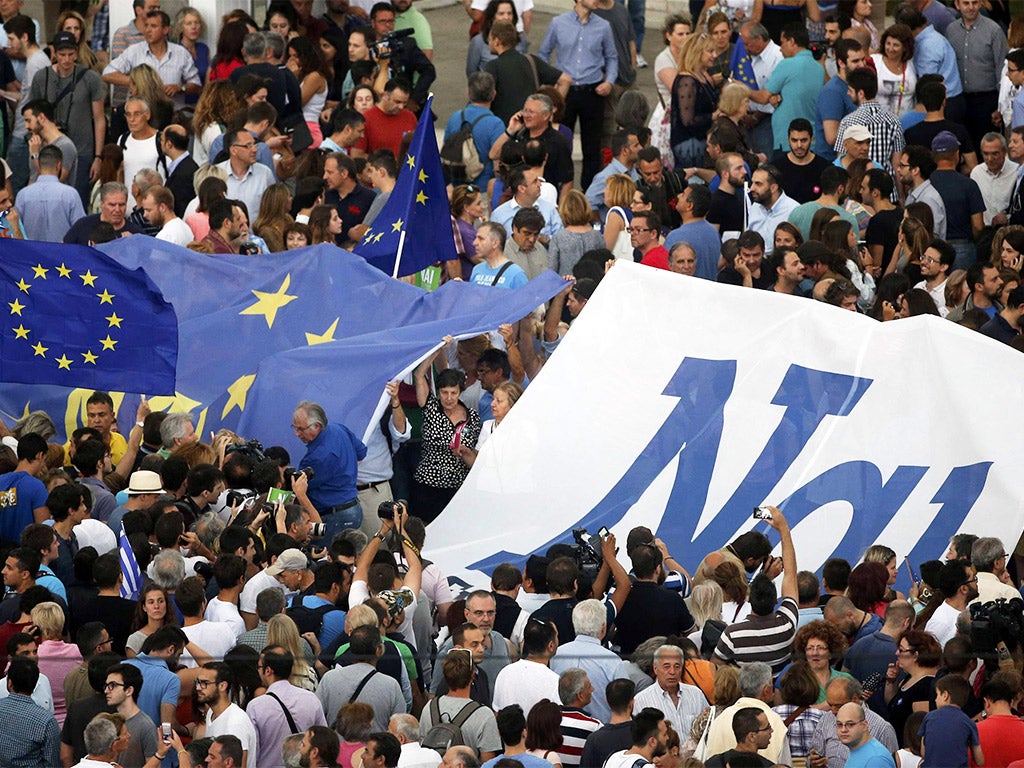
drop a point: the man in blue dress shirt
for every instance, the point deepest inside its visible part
(332, 452)
(47, 208)
(586, 52)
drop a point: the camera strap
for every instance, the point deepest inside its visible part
(68, 89)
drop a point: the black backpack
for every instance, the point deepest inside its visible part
(308, 619)
(444, 734)
(459, 158)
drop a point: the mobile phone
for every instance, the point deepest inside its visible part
(910, 571)
(762, 513)
(165, 731)
(603, 532)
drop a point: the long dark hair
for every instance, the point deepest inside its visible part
(229, 43)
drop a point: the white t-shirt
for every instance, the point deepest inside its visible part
(252, 588)
(522, 6)
(176, 231)
(139, 154)
(234, 722)
(942, 624)
(214, 637)
(359, 594)
(225, 613)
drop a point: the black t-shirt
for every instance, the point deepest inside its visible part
(734, 757)
(801, 182)
(726, 211)
(923, 133)
(559, 169)
(650, 610)
(507, 613)
(351, 209)
(514, 81)
(81, 231)
(884, 230)
(604, 742)
(559, 612)
(284, 92)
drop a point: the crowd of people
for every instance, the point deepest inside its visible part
(285, 616)
(281, 613)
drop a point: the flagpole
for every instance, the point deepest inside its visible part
(398, 256)
(746, 204)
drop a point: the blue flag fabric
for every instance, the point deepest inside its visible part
(418, 206)
(742, 71)
(77, 318)
(248, 323)
(131, 581)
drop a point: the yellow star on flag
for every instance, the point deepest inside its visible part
(23, 286)
(89, 356)
(64, 362)
(21, 332)
(423, 175)
(106, 297)
(88, 279)
(114, 320)
(397, 226)
(108, 343)
(410, 161)
(369, 236)
(377, 237)
(63, 271)
(238, 390)
(16, 307)
(421, 198)
(40, 350)
(312, 339)
(40, 271)
(267, 304)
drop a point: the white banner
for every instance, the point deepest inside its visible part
(681, 404)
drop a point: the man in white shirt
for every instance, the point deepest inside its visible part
(529, 680)
(765, 54)
(988, 556)
(957, 581)
(172, 62)
(650, 733)
(771, 206)
(935, 266)
(995, 177)
(229, 571)
(158, 208)
(406, 729)
(679, 702)
(214, 637)
(224, 717)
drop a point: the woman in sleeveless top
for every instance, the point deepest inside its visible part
(694, 101)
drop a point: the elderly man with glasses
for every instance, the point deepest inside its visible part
(332, 455)
(829, 742)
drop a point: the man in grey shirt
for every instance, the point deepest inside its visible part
(43, 132)
(980, 47)
(362, 682)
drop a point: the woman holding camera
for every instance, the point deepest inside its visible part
(448, 425)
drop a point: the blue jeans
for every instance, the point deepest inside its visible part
(17, 158)
(340, 520)
(966, 254)
(636, 15)
(81, 180)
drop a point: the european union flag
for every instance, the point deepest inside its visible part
(742, 71)
(77, 318)
(418, 207)
(256, 330)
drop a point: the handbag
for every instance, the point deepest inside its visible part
(701, 750)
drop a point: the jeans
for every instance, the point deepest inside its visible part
(340, 520)
(81, 181)
(17, 158)
(584, 103)
(966, 254)
(636, 15)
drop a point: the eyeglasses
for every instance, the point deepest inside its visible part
(297, 428)
(200, 683)
(482, 613)
(245, 146)
(766, 728)
(929, 260)
(112, 685)
(816, 649)
(640, 229)
(901, 650)
(847, 725)
(380, 20)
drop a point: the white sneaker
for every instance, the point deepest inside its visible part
(641, 62)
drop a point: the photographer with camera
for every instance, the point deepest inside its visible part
(400, 54)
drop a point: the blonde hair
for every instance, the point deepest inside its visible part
(619, 190)
(86, 57)
(282, 630)
(362, 615)
(732, 97)
(196, 453)
(575, 208)
(49, 617)
(179, 23)
(706, 602)
(513, 390)
(692, 49)
(148, 85)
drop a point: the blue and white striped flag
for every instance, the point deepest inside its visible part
(131, 582)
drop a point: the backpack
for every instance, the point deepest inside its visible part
(308, 619)
(443, 735)
(459, 158)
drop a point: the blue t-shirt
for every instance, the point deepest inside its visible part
(513, 277)
(834, 103)
(333, 621)
(706, 242)
(799, 79)
(333, 455)
(871, 754)
(485, 133)
(159, 686)
(20, 493)
(948, 734)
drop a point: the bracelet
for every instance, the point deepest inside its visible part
(396, 405)
(511, 136)
(380, 535)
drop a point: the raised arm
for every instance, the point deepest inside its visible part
(780, 524)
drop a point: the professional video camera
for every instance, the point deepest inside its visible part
(252, 448)
(994, 622)
(392, 44)
(588, 552)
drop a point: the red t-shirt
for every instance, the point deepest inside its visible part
(657, 257)
(1002, 740)
(384, 131)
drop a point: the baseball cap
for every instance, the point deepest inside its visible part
(945, 141)
(64, 40)
(857, 133)
(289, 560)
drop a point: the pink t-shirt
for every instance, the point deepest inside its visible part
(56, 659)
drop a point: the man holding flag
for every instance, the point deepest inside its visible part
(754, 57)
